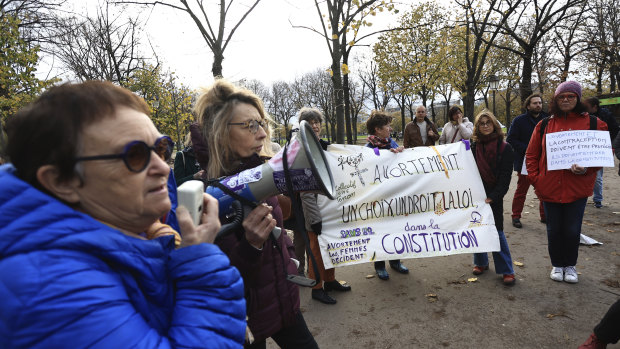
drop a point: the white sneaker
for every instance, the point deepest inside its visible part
(557, 274)
(570, 275)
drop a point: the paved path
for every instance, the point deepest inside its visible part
(535, 313)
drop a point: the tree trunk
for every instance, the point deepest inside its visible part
(508, 105)
(218, 58)
(469, 99)
(347, 107)
(402, 113)
(525, 88)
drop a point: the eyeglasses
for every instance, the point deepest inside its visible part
(136, 155)
(252, 125)
(484, 124)
(568, 97)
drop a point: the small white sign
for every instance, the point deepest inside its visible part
(586, 148)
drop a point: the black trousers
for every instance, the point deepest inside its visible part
(608, 330)
(294, 337)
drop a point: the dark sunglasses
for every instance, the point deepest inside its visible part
(136, 155)
(252, 125)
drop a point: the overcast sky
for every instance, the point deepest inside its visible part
(265, 47)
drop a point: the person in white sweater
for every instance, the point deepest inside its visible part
(459, 127)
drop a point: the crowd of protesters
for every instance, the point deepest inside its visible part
(91, 218)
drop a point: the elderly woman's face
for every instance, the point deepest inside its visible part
(383, 131)
(110, 192)
(243, 142)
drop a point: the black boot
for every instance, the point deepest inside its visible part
(399, 267)
(322, 297)
(335, 286)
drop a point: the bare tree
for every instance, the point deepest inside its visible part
(369, 77)
(358, 97)
(214, 29)
(480, 28)
(604, 41)
(106, 47)
(281, 105)
(528, 30)
(36, 17)
(570, 39)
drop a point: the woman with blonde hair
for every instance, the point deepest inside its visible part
(235, 137)
(494, 158)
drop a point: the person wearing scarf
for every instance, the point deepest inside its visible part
(494, 159)
(379, 130)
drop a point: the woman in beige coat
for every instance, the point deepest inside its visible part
(459, 127)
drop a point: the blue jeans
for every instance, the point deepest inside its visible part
(563, 231)
(598, 187)
(501, 259)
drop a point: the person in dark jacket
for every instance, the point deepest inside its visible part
(186, 166)
(314, 225)
(519, 136)
(85, 261)
(379, 129)
(494, 159)
(421, 131)
(235, 134)
(593, 105)
(564, 192)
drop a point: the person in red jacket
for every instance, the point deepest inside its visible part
(564, 192)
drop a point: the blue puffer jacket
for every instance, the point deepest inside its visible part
(69, 281)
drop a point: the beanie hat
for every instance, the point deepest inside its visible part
(569, 86)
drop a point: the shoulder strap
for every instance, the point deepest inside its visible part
(543, 128)
(455, 133)
(593, 122)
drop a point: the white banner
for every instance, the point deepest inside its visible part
(586, 148)
(423, 202)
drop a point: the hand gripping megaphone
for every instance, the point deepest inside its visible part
(308, 169)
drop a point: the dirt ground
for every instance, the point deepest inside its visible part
(535, 313)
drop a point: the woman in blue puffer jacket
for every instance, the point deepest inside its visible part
(85, 261)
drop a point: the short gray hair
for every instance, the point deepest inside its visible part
(310, 114)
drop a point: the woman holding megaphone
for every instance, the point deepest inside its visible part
(235, 133)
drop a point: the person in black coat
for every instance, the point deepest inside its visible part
(519, 136)
(186, 167)
(494, 159)
(594, 108)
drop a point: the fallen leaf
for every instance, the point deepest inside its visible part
(551, 316)
(431, 297)
(370, 276)
(518, 264)
(609, 230)
(589, 224)
(472, 279)
(457, 282)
